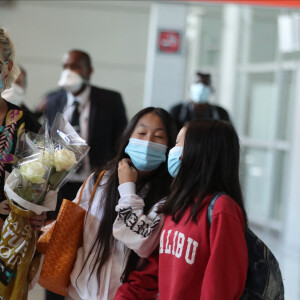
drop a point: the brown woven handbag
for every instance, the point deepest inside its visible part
(60, 242)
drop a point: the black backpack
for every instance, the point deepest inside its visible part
(264, 280)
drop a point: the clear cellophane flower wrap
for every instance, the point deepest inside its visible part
(44, 163)
(69, 151)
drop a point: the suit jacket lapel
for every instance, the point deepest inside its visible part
(92, 117)
(63, 102)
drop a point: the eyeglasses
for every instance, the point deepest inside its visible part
(3, 63)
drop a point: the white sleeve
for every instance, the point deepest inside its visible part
(132, 227)
(86, 194)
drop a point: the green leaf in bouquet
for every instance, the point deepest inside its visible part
(56, 178)
(33, 193)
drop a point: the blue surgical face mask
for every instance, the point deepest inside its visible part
(146, 156)
(173, 160)
(200, 92)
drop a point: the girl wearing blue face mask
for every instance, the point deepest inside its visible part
(175, 154)
(122, 223)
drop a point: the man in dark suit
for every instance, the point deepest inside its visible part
(101, 116)
(97, 114)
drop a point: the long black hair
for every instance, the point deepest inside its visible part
(210, 164)
(158, 182)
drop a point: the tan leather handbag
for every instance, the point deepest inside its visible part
(60, 242)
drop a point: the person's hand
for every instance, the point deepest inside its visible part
(126, 172)
(38, 221)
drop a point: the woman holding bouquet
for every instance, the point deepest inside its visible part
(12, 121)
(11, 117)
(137, 174)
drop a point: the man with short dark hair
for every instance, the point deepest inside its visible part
(199, 106)
(97, 114)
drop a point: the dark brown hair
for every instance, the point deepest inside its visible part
(210, 164)
(158, 182)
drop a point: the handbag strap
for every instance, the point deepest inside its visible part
(94, 188)
(211, 207)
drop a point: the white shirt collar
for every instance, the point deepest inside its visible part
(83, 97)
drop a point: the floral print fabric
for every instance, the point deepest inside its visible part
(10, 130)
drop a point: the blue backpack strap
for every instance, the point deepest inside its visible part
(211, 207)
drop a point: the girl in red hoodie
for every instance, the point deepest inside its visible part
(198, 260)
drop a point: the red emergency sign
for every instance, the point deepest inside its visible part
(169, 41)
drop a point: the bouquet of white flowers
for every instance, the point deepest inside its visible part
(69, 151)
(45, 161)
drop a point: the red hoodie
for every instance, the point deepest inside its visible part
(195, 261)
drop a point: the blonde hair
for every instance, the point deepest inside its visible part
(8, 52)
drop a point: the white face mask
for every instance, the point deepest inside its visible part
(71, 81)
(200, 92)
(15, 94)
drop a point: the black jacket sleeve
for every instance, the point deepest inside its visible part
(120, 118)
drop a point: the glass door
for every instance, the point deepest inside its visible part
(262, 111)
(263, 84)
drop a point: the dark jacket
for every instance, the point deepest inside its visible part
(185, 112)
(107, 121)
(32, 124)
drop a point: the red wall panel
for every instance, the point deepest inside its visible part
(285, 3)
